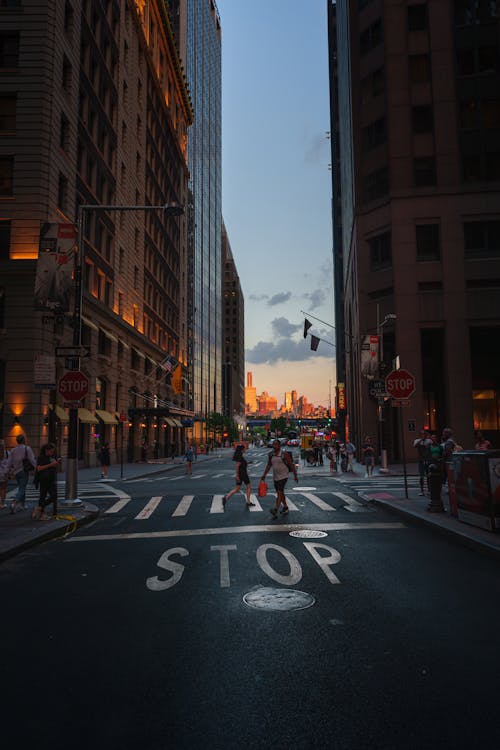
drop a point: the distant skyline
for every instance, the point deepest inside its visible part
(277, 187)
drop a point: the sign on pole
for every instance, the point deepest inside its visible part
(54, 268)
(73, 387)
(400, 384)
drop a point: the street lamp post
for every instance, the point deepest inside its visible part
(380, 332)
(172, 209)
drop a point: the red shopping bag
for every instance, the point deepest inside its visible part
(262, 491)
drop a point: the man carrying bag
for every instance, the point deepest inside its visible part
(21, 461)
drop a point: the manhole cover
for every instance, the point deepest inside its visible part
(280, 600)
(308, 534)
(304, 489)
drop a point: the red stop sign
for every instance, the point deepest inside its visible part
(73, 386)
(400, 384)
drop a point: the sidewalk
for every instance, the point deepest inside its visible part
(19, 532)
(414, 508)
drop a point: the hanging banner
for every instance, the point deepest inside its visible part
(369, 356)
(176, 380)
(54, 268)
(341, 397)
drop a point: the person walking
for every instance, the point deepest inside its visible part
(21, 461)
(4, 472)
(241, 472)
(422, 445)
(350, 450)
(282, 464)
(104, 459)
(46, 478)
(368, 456)
(189, 455)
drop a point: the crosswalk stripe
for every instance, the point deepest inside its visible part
(318, 501)
(351, 504)
(217, 506)
(149, 508)
(256, 505)
(198, 476)
(119, 505)
(183, 506)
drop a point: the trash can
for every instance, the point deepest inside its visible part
(477, 488)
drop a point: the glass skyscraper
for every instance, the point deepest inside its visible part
(199, 31)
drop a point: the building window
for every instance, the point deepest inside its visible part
(473, 61)
(103, 344)
(9, 50)
(370, 37)
(66, 74)
(380, 251)
(482, 239)
(64, 133)
(420, 69)
(5, 239)
(376, 184)
(374, 135)
(475, 12)
(100, 393)
(2, 306)
(424, 169)
(6, 175)
(136, 278)
(62, 193)
(69, 16)
(422, 119)
(428, 242)
(7, 114)
(417, 17)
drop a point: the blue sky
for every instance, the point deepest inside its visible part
(277, 186)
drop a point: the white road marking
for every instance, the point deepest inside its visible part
(351, 504)
(198, 476)
(318, 501)
(256, 505)
(149, 508)
(217, 506)
(119, 505)
(183, 506)
(225, 580)
(216, 476)
(237, 530)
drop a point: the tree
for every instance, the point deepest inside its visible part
(278, 425)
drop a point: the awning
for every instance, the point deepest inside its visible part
(109, 335)
(124, 344)
(89, 323)
(86, 416)
(62, 415)
(170, 422)
(139, 354)
(177, 423)
(106, 417)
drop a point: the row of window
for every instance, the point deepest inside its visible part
(481, 241)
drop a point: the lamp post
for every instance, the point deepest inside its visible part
(380, 332)
(172, 209)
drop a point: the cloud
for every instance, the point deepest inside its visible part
(258, 297)
(278, 299)
(283, 328)
(317, 149)
(271, 352)
(316, 298)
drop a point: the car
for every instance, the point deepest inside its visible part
(293, 442)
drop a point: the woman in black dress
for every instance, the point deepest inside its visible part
(104, 460)
(241, 476)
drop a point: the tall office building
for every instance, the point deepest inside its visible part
(94, 111)
(233, 325)
(419, 164)
(250, 395)
(200, 47)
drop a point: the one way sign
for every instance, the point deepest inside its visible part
(72, 351)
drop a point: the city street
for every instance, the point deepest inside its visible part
(134, 633)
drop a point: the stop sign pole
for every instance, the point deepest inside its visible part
(400, 384)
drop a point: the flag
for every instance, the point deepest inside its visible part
(168, 363)
(307, 326)
(176, 380)
(314, 342)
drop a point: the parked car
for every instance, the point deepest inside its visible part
(293, 442)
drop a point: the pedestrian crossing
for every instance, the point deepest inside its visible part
(379, 482)
(86, 491)
(180, 507)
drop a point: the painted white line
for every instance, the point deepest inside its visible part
(291, 504)
(198, 476)
(257, 507)
(238, 530)
(119, 505)
(318, 501)
(149, 508)
(184, 505)
(351, 504)
(217, 506)
(216, 476)
(174, 479)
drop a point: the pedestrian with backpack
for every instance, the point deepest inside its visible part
(281, 462)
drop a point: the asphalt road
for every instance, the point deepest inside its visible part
(133, 633)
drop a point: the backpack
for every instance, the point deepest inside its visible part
(286, 457)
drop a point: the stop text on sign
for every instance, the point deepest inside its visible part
(322, 554)
(400, 384)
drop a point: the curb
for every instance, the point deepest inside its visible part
(458, 535)
(60, 530)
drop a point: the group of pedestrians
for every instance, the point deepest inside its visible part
(279, 461)
(20, 462)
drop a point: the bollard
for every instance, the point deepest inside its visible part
(435, 485)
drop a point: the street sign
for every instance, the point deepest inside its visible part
(400, 384)
(73, 386)
(400, 402)
(377, 389)
(72, 351)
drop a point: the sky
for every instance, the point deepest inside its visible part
(276, 188)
